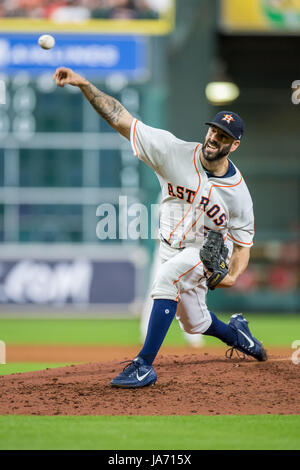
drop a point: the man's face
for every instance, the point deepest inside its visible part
(217, 144)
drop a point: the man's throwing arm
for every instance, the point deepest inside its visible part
(108, 107)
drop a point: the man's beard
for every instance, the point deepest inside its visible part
(212, 156)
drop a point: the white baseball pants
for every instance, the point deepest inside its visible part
(180, 278)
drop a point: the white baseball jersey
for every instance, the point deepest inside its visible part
(193, 201)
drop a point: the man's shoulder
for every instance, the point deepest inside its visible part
(234, 188)
(240, 193)
(166, 135)
(185, 145)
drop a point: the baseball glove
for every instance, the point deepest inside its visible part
(213, 255)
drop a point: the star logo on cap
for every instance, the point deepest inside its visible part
(228, 118)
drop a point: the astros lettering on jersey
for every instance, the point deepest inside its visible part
(186, 187)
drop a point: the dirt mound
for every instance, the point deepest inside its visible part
(202, 383)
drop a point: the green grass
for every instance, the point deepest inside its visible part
(155, 432)
(273, 330)
(271, 432)
(69, 332)
(19, 367)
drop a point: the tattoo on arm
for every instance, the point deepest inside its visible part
(107, 106)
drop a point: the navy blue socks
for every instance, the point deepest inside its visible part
(220, 330)
(162, 315)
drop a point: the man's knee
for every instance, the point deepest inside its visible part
(163, 287)
(196, 325)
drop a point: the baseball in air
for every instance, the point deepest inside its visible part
(46, 41)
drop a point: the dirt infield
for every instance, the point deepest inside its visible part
(189, 383)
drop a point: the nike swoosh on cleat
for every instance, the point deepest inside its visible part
(251, 343)
(143, 376)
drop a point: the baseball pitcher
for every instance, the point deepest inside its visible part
(206, 227)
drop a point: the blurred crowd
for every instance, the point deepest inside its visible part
(81, 10)
(278, 269)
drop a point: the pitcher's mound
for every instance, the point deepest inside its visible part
(201, 383)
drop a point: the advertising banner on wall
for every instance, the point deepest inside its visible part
(60, 283)
(95, 56)
(281, 16)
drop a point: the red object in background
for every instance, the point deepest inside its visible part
(290, 253)
(283, 278)
(247, 281)
(50, 7)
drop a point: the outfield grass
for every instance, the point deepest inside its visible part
(140, 432)
(273, 330)
(20, 367)
(136, 432)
